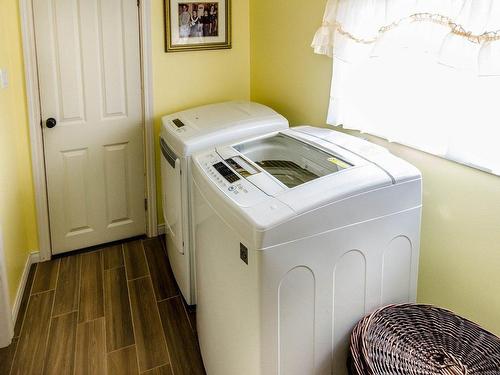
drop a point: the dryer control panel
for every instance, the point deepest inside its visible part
(178, 126)
(221, 173)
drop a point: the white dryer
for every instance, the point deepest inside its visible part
(182, 134)
(298, 234)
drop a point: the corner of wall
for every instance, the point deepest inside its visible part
(17, 209)
(32, 258)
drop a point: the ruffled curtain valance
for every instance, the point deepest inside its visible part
(423, 73)
(460, 33)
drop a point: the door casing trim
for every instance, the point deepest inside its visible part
(35, 129)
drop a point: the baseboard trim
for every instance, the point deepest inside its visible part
(161, 229)
(33, 257)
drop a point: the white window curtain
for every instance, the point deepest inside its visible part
(422, 73)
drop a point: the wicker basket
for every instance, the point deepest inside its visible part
(421, 340)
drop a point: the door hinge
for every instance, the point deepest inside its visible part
(146, 204)
(138, 3)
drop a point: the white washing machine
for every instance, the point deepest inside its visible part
(182, 134)
(299, 234)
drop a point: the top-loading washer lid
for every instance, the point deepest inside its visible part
(398, 169)
(301, 173)
(291, 161)
(207, 126)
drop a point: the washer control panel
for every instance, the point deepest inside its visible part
(226, 172)
(230, 182)
(178, 126)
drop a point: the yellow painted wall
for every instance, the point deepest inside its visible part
(17, 208)
(181, 80)
(285, 74)
(460, 261)
(187, 79)
(460, 252)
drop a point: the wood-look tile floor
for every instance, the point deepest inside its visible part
(116, 310)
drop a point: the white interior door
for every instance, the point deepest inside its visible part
(90, 84)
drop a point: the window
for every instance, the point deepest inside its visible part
(418, 76)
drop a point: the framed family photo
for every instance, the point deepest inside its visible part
(197, 25)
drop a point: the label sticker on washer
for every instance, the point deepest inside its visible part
(340, 163)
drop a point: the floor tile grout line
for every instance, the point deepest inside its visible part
(13, 357)
(161, 320)
(146, 260)
(162, 329)
(63, 314)
(187, 317)
(149, 270)
(104, 304)
(114, 268)
(24, 316)
(44, 291)
(79, 270)
(139, 278)
(37, 269)
(34, 278)
(28, 301)
(157, 307)
(101, 259)
(55, 290)
(167, 299)
(50, 317)
(90, 320)
(122, 348)
(102, 276)
(104, 310)
(66, 313)
(79, 286)
(131, 310)
(75, 327)
(121, 253)
(147, 266)
(57, 284)
(165, 338)
(58, 261)
(124, 263)
(15, 354)
(49, 336)
(154, 368)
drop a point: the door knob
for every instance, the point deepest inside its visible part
(51, 122)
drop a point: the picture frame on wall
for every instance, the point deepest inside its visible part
(197, 25)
